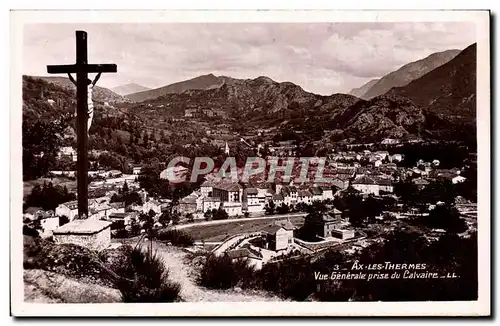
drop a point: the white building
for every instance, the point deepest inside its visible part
(93, 234)
(366, 185)
(68, 209)
(279, 235)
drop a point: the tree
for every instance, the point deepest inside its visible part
(270, 207)
(190, 217)
(175, 218)
(445, 217)
(313, 226)
(165, 217)
(146, 279)
(125, 189)
(220, 214)
(48, 196)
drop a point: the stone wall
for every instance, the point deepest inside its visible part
(97, 241)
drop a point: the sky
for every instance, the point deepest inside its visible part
(323, 58)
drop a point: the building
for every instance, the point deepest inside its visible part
(343, 234)
(48, 225)
(366, 185)
(254, 202)
(210, 203)
(93, 234)
(68, 209)
(420, 183)
(100, 211)
(232, 208)
(290, 195)
(206, 188)
(277, 199)
(254, 258)
(228, 191)
(341, 182)
(331, 222)
(120, 220)
(153, 205)
(304, 196)
(327, 192)
(385, 185)
(396, 157)
(67, 151)
(279, 235)
(317, 193)
(136, 169)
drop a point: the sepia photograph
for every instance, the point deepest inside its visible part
(267, 163)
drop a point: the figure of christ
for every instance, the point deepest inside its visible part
(90, 103)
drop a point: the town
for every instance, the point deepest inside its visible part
(119, 204)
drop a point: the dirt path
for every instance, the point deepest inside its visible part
(181, 272)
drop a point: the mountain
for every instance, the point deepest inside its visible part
(50, 100)
(410, 72)
(361, 91)
(448, 91)
(128, 89)
(379, 118)
(100, 94)
(201, 83)
(262, 101)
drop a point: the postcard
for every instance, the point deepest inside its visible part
(250, 163)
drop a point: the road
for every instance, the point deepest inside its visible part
(237, 220)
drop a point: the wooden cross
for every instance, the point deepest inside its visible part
(82, 69)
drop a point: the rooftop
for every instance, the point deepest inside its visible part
(87, 226)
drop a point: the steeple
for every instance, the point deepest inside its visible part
(226, 151)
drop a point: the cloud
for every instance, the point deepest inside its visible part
(323, 58)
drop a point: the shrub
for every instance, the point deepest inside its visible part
(176, 237)
(29, 231)
(220, 272)
(292, 278)
(146, 280)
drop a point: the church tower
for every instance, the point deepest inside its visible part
(226, 151)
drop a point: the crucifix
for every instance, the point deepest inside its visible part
(82, 68)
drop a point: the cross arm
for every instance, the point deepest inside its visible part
(89, 68)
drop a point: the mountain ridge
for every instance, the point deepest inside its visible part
(409, 72)
(129, 88)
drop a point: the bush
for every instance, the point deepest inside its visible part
(292, 278)
(176, 237)
(30, 231)
(146, 280)
(220, 272)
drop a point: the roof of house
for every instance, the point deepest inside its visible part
(316, 191)
(384, 182)
(86, 226)
(119, 204)
(364, 180)
(272, 229)
(118, 215)
(241, 253)
(71, 204)
(336, 211)
(228, 186)
(304, 193)
(286, 224)
(33, 210)
(207, 183)
(252, 191)
(420, 181)
(212, 199)
(277, 197)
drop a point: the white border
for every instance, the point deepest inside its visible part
(476, 308)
